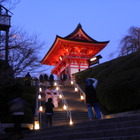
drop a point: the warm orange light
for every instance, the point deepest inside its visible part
(60, 58)
(72, 82)
(93, 59)
(40, 109)
(57, 88)
(39, 96)
(55, 84)
(76, 89)
(64, 107)
(36, 125)
(82, 97)
(60, 96)
(71, 122)
(40, 89)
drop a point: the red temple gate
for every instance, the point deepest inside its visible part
(70, 54)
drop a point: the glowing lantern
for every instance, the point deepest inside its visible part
(36, 125)
(40, 109)
(39, 96)
(57, 88)
(82, 97)
(76, 89)
(60, 96)
(55, 84)
(40, 89)
(72, 83)
(71, 122)
(64, 107)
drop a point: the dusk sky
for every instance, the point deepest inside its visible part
(102, 20)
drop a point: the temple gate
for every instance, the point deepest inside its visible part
(69, 54)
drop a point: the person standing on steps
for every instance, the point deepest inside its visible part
(49, 111)
(91, 99)
(51, 78)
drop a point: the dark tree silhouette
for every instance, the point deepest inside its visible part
(131, 42)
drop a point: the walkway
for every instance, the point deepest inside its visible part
(76, 106)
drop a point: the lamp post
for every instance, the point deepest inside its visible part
(5, 24)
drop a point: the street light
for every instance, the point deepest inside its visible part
(5, 24)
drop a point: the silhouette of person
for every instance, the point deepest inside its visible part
(51, 78)
(91, 99)
(49, 111)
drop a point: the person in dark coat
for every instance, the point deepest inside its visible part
(51, 78)
(17, 108)
(91, 99)
(49, 111)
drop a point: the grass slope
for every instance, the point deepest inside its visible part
(119, 83)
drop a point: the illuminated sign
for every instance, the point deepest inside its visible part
(94, 60)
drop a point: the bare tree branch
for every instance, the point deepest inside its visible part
(131, 42)
(23, 51)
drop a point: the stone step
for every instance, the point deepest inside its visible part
(100, 127)
(134, 137)
(88, 128)
(130, 131)
(115, 121)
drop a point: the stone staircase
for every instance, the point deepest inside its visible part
(76, 106)
(112, 127)
(121, 128)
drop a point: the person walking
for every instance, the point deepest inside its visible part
(49, 111)
(91, 99)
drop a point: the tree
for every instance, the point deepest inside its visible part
(23, 50)
(10, 3)
(131, 42)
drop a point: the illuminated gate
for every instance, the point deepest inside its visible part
(70, 54)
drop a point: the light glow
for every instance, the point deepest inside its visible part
(40, 109)
(64, 107)
(36, 125)
(60, 96)
(55, 84)
(60, 58)
(57, 88)
(93, 59)
(82, 97)
(39, 97)
(76, 89)
(71, 122)
(40, 89)
(72, 83)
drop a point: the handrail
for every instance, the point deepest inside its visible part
(69, 114)
(80, 91)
